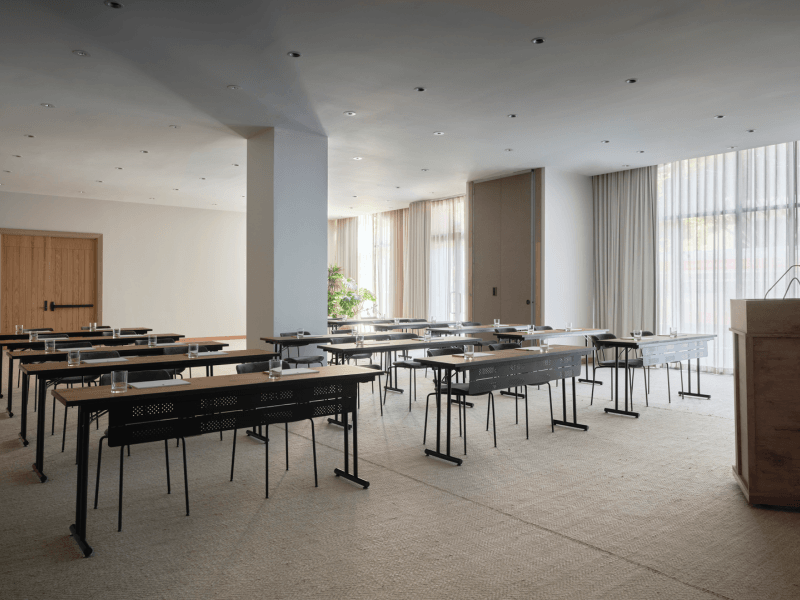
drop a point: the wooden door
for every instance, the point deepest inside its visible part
(37, 270)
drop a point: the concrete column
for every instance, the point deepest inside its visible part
(287, 213)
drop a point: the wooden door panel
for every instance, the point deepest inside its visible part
(22, 268)
(515, 249)
(74, 281)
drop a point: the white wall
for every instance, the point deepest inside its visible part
(178, 270)
(568, 250)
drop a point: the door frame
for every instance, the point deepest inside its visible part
(65, 234)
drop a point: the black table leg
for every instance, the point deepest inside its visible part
(23, 425)
(587, 379)
(689, 375)
(616, 410)
(391, 381)
(8, 410)
(78, 529)
(564, 422)
(438, 452)
(38, 466)
(10, 381)
(346, 472)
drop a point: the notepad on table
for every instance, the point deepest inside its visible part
(212, 353)
(163, 383)
(476, 354)
(286, 372)
(530, 349)
(92, 361)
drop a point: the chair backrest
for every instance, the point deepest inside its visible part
(64, 345)
(381, 338)
(343, 340)
(100, 354)
(39, 329)
(542, 328)
(291, 333)
(56, 336)
(403, 336)
(471, 324)
(597, 340)
(86, 327)
(503, 346)
(645, 333)
(138, 376)
(180, 349)
(444, 351)
(256, 367)
(417, 321)
(505, 329)
(122, 332)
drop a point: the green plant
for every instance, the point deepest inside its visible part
(345, 298)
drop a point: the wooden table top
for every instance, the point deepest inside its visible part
(71, 332)
(99, 397)
(130, 350)
(55, 369)
(473, 329)
(459, 363)
(410, 325)
(334, 322)
(397, 345)
(658, 339)
(105, 340)
(293, 340)
(548, 333)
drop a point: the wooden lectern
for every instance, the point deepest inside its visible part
(766, 357)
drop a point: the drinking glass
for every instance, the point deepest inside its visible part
(432, 319)
(92, 326)
(73, 358)
(193, 350)
(497, 322)
(299, 334)
(49, 346)
(673, 332)
(637, 334)
(33, 336)
(119, 382)
(545, 344)
(568, 327)
(359, 340)
(19, 329)
(115, 332)
(530, 328)
(396, 321)
(469, 351)
(427, 335)
(275, 368)
(152, 341)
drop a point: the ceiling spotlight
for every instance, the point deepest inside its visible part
(751, 130)
(438, 133)
(213, 204)
(6, 171)
(97, 181)
(16, 156)
(112, 4)
(537, 41)
(640, 152)
(294, 54)
(27, 135)
(419, 89)
(424, 169)
(731, 147)
(152, 198)
(203, 178)
(143, 151)
(235, 165)
(81, 192)
(47, 105)
(357, 158)
(350, 113)
(83, 53)
(174, 189)
(234, 87)
(605, 141)
(174, 127)
(509, 150)
(512, 116)
(631, 80)
(118, 168)
(355, 196)
(626, 165)
(719, 116)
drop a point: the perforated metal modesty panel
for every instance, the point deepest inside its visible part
(673, 351)
(488, 377)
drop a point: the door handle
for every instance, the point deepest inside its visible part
(527, 301)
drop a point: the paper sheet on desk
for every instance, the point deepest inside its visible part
(163, 383)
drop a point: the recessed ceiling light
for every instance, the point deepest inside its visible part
(16, 156)
(234, 87)
(424, 169)
(512, 116)
(438, 133)
(203, 178)
(152, 198)
(6, 171)
(537, 41)
(27, 135)
(605, 141)
(626, 165)
(719, 116)
(398, 187)
(143, 151)
(112, 4)
(350, 113)
(631, 80)
(174, 127)
(97, 181)
(235, 165)
(419, 89)
(83, 53)
(509, 150)
(47, 105)
(751, 130)
(213, 204)
(640, 152)
(174, 189)
(294, 54)
(357, 158)
(81, 192)
(118, 168)
(731, 147)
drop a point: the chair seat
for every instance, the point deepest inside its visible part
(634, 363)
(459, 389)
(361, 355)
(408, 364)
(74, 380)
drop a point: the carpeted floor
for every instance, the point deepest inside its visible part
(636, 509)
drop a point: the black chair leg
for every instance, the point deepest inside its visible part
(594, 371)
(550, 393)
(53, 424)
(64, 434)
(527, 431)
(266, 468)
(186, 476)
(314, 448)
(488, 408)
(166, 455)
(425, 429)
(494, 420)
(121, 462)
(233, 454)
(287, 446)
(97, 481)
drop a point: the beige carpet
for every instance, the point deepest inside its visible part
(641, 508)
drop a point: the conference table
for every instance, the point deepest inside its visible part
(248, 400)
(471, 329)
(340, 322)
(502, 369)
(51, 371)
(659, 350)
(388, 326)
(71, 333)
(23, 343)
(284, 342)
(387, 347)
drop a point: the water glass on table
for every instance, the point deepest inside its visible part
(637, 335)
(275, 368)
(568, 327)
(359, 340)
(49, 346)
(73, 358)
(119, 382)
(545, 344)
(92, 326)
(33, 336)
(152, 341)
(194, 350)
(299, 334)
(19, 329)
(115, 332)
(673, 332)
(497, 322)
(469, 351)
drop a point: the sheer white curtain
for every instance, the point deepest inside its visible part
(728, 228)
(388, 228)
(346, 246)
(417, 260)
(448, 257)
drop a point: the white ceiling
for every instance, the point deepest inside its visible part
(156, 63)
